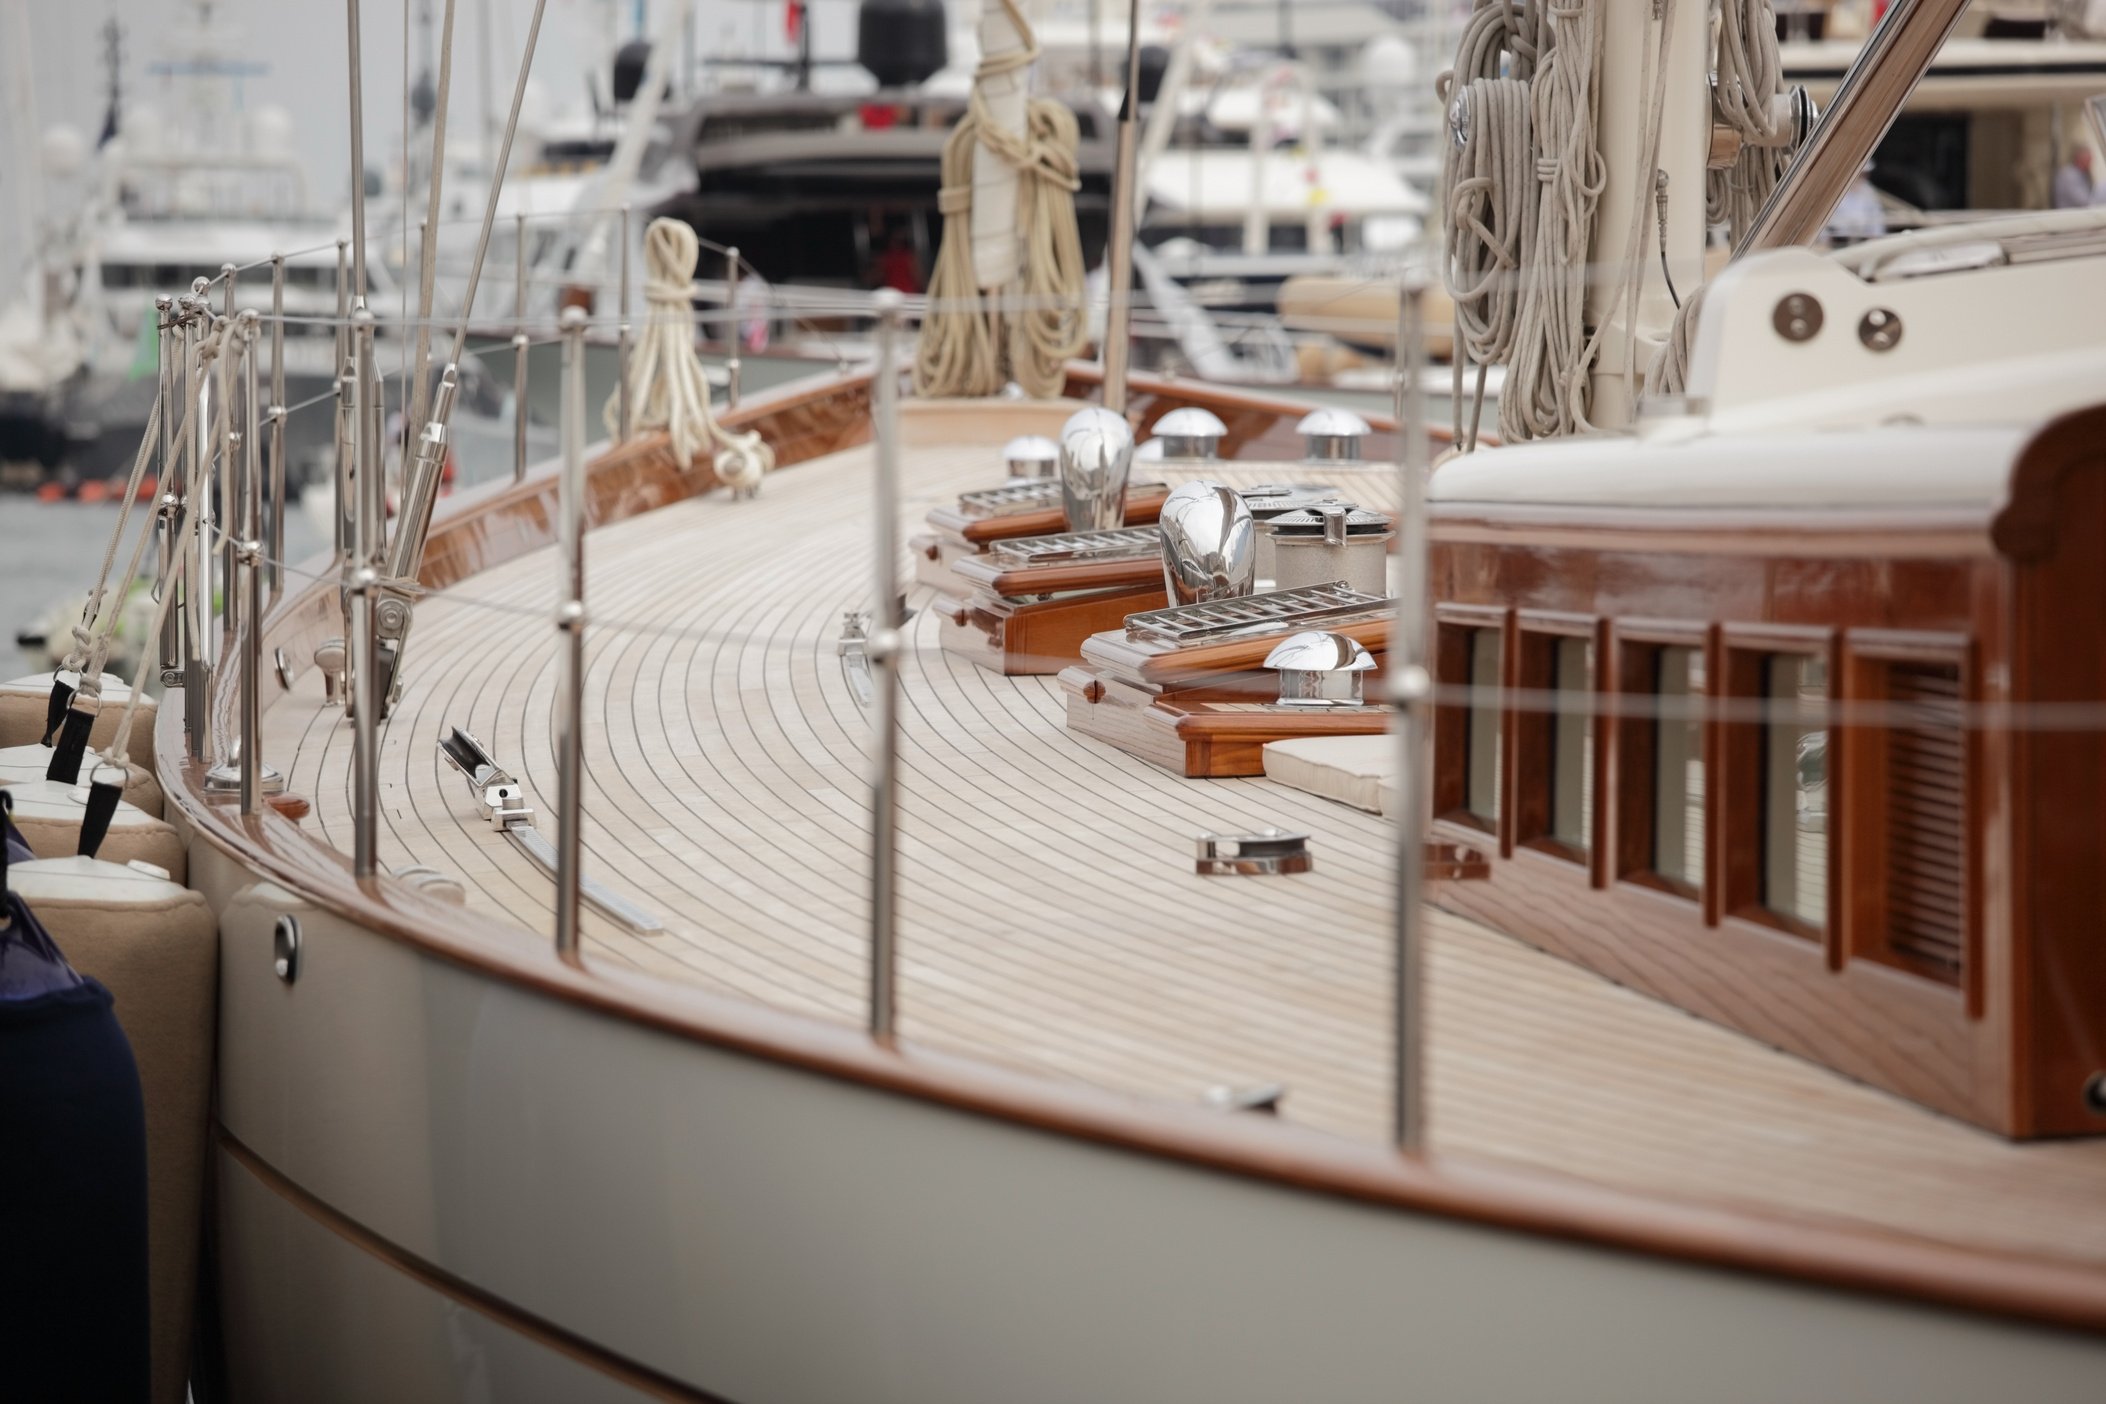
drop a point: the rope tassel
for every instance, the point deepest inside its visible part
(964, 350)
(666, 382)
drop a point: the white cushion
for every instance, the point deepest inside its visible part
(1357, 770)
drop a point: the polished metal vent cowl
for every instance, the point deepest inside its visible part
(1320, 669)
(1210, 544)
(1031, 456)
(1190, 432)
(1096, 458)
(1332, 435)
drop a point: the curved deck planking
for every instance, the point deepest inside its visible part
(1050, 920)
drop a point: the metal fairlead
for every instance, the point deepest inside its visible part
(1880, 329)
(285, 948)
(1798, 317)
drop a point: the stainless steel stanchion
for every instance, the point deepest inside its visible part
(1411, 687)
(519, 353)
(731, 329)
(364, 643)
(883, 650)
(276, 539)
(257, 779)
(570, 643)
(625, 413)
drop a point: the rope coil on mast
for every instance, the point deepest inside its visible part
(1524, 174)
(963, 348)
(668, 389)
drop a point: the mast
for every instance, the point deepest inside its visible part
(1118, 260)
(1655, 117)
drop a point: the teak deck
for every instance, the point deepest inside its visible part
(1050, 917)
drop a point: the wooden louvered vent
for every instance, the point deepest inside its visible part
(1926, 867)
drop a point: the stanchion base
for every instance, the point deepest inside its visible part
(225, 779)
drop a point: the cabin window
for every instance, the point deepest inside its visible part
(1677, 856)
(1554, 728)
(1572, 743)
(1468, 720)
(1794, 790)
(1481, 795)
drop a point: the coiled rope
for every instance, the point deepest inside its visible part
(667, 385)
(1523, 178)
(1546, 381)
(1750, 76)
(962, 340)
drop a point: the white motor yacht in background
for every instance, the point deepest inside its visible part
(189, 180)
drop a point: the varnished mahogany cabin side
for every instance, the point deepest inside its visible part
(1940, 927)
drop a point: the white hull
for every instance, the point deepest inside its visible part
(758, 1231)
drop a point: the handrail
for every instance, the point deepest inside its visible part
(1865, 105)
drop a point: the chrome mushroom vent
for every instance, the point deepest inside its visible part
(1031, 456)
(1332, 435)
(1096, 456)
(1190, 432)
(1210, 544)
(1319, 669)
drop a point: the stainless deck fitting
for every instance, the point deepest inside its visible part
(1319, 669)
(1150, 451)
(1264, 1098)
(1331, 541)
(1075, 547)
(853, 649)
(1335, 603)
(1031, 456)
(501, 796)
(330, 656)
(1190, 432)
(1263, 853)
(503, 801)
(1210, 544)
(1096, 458)
(1332, 435)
